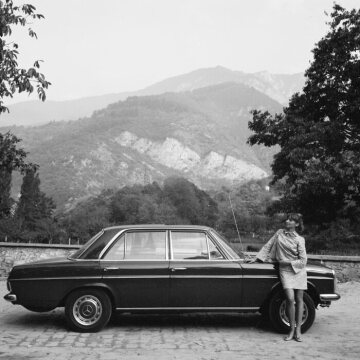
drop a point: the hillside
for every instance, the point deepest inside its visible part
(200, 135)
(277, 87)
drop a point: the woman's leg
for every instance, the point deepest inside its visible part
(299, 311)
(290, 308)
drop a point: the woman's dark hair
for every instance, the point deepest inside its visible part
(298, 219)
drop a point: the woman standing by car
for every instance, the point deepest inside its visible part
(287, 248)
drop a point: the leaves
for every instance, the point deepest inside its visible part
(12, 77)
(319, 132)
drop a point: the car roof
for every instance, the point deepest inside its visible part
(159, 226)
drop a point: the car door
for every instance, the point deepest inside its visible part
(201, 276)
(136, 269)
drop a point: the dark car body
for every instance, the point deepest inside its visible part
(143, 268)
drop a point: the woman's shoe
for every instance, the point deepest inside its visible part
(298, 338)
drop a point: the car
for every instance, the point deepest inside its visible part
(157, 269)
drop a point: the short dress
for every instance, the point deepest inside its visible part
(287, 246)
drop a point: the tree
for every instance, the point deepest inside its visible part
(319, 132)
(193, 205)
(34, 206)
(11, 158)
(12, 77)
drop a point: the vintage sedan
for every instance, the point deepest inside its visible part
(160, 268)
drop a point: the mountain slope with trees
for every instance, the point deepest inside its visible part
(200, 135)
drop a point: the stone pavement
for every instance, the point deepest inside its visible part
(27, 335)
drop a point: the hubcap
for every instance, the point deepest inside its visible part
(87, 310)
(284, 317)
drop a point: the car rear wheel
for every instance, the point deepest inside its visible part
(279, 318)
(88, 310)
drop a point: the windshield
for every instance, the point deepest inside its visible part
(223, 242)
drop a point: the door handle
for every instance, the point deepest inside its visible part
(111, 268)
(178, 268)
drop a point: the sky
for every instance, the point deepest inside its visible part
(92, 47)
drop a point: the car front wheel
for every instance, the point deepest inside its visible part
(88, 310)
(279, 318)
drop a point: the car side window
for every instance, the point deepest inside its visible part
(145, 245)
(117, 251)
(189, 245)
(139, 245)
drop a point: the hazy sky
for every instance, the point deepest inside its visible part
(97, 47)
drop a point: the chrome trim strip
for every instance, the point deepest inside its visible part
(319, 271)
(208, 276)
(62, 278)
(134, 260)
(136, 276)
(202, 260)
(207, 245)
(320, 277)
(191, 308)
(260, 277)
(84, 259)
(329, 297)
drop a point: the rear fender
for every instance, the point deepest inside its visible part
(97, 286)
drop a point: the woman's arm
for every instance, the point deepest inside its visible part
(300, 263)
(264, 253)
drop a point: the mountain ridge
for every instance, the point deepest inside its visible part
(277, 86)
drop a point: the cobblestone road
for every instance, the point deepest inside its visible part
(27, 335)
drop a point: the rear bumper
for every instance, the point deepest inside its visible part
(329, 297)
(11, 298)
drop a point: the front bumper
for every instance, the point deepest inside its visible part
(329, 297)
(11, 298)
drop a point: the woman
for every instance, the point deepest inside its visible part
(287, 248)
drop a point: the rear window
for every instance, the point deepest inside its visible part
(95, 247)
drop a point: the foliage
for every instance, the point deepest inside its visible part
(140, 204)
(249, 202)
(193, 205)
(33, 204)
(11, 158)
(31, 218)
(318, 133)
(14, 78)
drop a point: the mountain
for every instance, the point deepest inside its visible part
(199, 134)
(278, 87)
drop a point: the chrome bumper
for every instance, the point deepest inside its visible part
(10, 297)
(329, 297)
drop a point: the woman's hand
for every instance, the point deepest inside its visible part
(251, 260)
